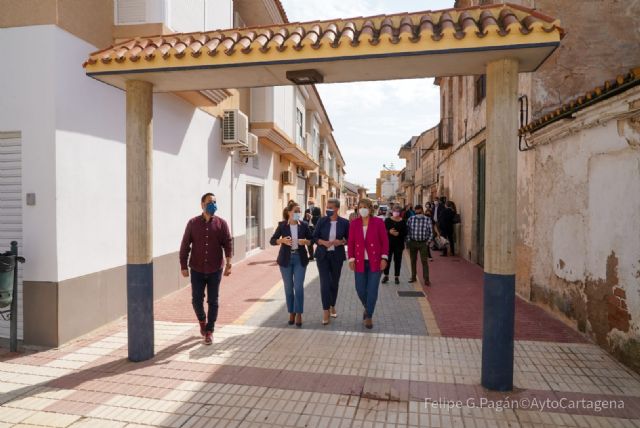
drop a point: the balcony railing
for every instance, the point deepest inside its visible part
(406, 177)
(445, 133)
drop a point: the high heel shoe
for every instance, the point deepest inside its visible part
(292, 319)
(298, 320)
(333, 313)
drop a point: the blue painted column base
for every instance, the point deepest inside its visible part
(498, 331)
(140, 311)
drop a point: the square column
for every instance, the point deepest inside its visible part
(139, 221)
(500, 225)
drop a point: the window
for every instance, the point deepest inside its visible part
(315, 145)
(299, 127)
(480, 88)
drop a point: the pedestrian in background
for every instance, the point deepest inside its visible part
(311, 216)
(420, 230)
(293, 235)
(368, 250)
(205, 239)
(397, 230)
(445, 224)
(409, 212)
(330, 236)
(437, 210)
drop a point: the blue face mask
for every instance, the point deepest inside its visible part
(212, 207)
(330, 213)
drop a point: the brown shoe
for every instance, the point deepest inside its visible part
(368, 323)
(292, 319)
(298, 320)
(208, 338)
(203, 327)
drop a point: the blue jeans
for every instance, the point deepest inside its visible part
(293, 278)
(210, 281)
(367, 283)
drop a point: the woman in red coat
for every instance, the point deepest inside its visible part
(368, 249)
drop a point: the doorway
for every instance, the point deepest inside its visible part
(481, 180)
(254, 218)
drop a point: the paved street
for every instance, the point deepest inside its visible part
(261, 372)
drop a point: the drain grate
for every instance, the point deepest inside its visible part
(410, 293)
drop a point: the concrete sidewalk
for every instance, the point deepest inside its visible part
(260, 372)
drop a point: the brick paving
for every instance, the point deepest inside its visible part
(456, 300)
(249, 281)
(260, 372)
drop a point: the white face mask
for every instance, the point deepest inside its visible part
(297, 216)
(364, 212)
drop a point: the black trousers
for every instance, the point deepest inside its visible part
(329, 268)
(395, 255)
(210, 282)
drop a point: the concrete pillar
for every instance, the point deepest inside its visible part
(500, 225)
(139, 221)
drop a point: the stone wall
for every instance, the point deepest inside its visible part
(601, 42)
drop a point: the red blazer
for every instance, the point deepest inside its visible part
(376, 243)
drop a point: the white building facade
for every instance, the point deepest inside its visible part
(67, 151)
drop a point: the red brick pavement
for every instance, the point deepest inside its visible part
(248, 282)
(456, 300)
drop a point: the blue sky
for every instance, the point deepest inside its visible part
(399, 109)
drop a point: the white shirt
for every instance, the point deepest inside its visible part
(294, 236)
(332, 233)
(364, 232)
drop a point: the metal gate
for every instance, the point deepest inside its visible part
(11, 209)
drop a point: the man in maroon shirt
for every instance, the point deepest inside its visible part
(206, 237)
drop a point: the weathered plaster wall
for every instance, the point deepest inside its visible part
(586, 233)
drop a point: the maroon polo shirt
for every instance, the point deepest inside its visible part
(205, 240)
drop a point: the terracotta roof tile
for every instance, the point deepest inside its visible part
(478, 21)
(610, 88)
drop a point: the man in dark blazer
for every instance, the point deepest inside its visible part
(445, 224)
(330, 235)
(312, 216)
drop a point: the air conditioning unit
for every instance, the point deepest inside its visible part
(287, 177)
(252, 149)
(235, 129)
(313, 179)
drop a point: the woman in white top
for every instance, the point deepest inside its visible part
(293, 235)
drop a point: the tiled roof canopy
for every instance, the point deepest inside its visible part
(493, 27)
(600, 93)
